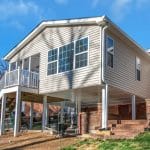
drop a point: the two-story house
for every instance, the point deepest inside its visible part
(89, 62)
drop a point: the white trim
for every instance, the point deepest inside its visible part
(108, 50)
(96, 20)
(74, 62)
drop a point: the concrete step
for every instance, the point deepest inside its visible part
(126, 122)
(133, 121)
(130, 126)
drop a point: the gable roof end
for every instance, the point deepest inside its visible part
(41, 26)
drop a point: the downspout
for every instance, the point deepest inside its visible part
(104, 121)
(103, 24)
(103, 30)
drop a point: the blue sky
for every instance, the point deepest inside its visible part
(19, 17)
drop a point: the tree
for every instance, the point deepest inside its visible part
(3, 67)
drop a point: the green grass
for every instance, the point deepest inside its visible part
(142, 142)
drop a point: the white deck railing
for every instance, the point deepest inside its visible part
(20, 77)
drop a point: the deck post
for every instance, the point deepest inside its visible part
(47, 113)
(78, 111)
(31, 115)
(44, 116)
(29, 71)
(133, 107)
(22, 64)
(104, 106)
(3, 107)
(61, 112)
(17, 112)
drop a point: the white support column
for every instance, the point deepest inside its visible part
(23, 107)
(31, 115)
(29, 71)
(17, 112)
(22, 64)
(73, 99)
(47, 114)
(9, 68)
(133, 107)
(29, 63)
(19, 76)
(79, 103)
(104, 106)
(78, 111)
(3, 107)
(61, 115)
(44, 119)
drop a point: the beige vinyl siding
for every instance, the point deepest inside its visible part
(123, 74)
(81, 77)
(53, 37)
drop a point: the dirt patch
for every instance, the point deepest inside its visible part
(36, 141)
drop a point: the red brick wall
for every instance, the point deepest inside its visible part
(90, 118)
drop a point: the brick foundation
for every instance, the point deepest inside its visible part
(90, 117)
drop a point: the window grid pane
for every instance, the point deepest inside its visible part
(52, 68)
(81, 45)
(110, 60)
(81, 60)
(138, 69)
(110, 51)
(110, 42)
(66, 54)
(138, 75)
(52, 55)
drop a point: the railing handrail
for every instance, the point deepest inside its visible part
(19, 77)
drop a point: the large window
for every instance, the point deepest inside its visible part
(52, 61)
(81, 53)
(138, 69)
(110, 51)
(66, 57)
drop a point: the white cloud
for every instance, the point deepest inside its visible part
(10, 9)
(16, 12)
(62, 2)
(95, 3)
(120, 8)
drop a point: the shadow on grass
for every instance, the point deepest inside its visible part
(141, 142)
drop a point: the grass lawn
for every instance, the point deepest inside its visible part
(142, 142)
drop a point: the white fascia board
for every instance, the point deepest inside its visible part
(126, 35)
(95, 20)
